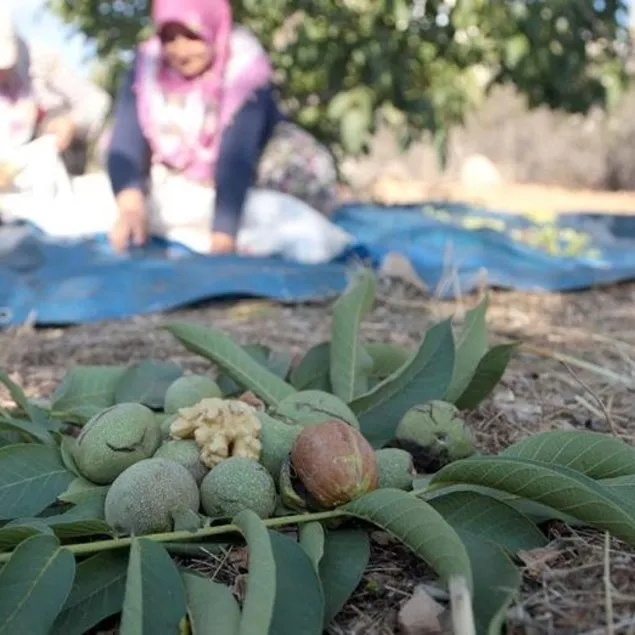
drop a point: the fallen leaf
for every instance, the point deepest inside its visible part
(420, 615)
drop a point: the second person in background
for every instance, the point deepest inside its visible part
(196, 126)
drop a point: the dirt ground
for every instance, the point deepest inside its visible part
(577, 586)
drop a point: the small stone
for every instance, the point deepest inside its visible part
(420, 615)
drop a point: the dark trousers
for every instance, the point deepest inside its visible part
(75, 157)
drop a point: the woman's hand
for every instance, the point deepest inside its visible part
(63, 129)
(132, 223)
(223, 243)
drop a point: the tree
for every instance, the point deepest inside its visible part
(342, 66)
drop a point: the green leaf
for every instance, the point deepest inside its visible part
(37, 416)
(34, 431)
(279, 363)
(558, 487)
(496, 581)
(13, 534)
(313, 371)
(186, 519)
(78, 489)
(34, 586)
(418, 526)
(32, 476)
(299, 604)
(515, 48)
(424, 378)
(354, 129)
(97, 593)
(222, 350)
(211, 607)
(387, 358)
(72, 529)
(346, 555)
(89, 501)
(17, 394)
(489, 518)
(350, 363)
(147, 382)
(311, 538)
(154, 600)
(228, 386)
(470, 348)
(488, 373)
(623, 487)
(84, 518)
(260, 596)
(85, 391)
(597, 455)
(339, 104)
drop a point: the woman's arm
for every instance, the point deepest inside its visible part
(241, 147)
(128, 152)
(88, 104)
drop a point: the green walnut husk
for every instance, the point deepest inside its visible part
(276, 439)
(236, 484)
(115, 439)
(187, 453)
(146, 498)
(396, 468)
(435, 435)
(189, 390)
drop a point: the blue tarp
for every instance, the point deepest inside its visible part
(63, 282)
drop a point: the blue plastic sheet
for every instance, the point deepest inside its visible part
(63, 282)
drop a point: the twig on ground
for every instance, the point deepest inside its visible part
(580, 363)
(608, 587)
(595, 396)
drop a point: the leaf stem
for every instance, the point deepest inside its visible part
(182, 536)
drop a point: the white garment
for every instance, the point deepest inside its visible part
(180, 210)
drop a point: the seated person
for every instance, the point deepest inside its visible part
(197, 110)
(40, 95)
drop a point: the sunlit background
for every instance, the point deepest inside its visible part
(35, 22)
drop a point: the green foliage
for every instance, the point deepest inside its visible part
(154, 600)
(64, 570)
(344, 67)
(350, 368)
(147, 382)
(211, 607)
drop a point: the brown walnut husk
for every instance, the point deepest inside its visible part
(334, 463)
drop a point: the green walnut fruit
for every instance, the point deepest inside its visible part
(165, 421)
(189, 390)
(396, 468)
(236, 484)
(115, 439)
(434, 434)
(187, 453)
(145, 498)
(307, 407)
(276, 440)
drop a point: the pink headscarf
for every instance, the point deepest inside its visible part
(239, 67)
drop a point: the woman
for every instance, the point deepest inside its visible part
(196, 122)
(39, 96)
